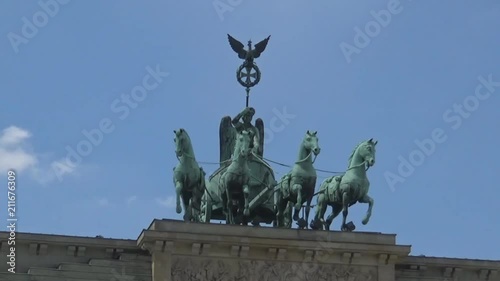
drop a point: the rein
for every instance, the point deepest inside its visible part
(359, 165)
(275, 162)
(184, 154)
(307, 157)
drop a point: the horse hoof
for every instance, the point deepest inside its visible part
(302, 223)
(316, 224)
(348, 227)
(178, 209)
(364, 222)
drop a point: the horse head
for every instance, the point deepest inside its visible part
(243, 142)
(311, 142)
(182, 142)
(367, 152)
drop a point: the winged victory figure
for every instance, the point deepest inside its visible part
(229, 127)
(250, 54)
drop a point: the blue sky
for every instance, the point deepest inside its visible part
(404, 85)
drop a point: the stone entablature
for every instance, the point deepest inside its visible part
(268, 253)
(46, 250)
(421, 267)
(191, 251)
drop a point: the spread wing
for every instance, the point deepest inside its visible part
(260, 47)
(259, 124)
(226, 138)
(238, 47)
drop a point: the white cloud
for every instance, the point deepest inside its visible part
(168, 202)
(16, 153)
(13, 136)
(103, 202)
(13, 150)
(131, 200)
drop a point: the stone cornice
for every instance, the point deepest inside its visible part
(229, 241)
(64, 240)
(450, 262)
(413, 266)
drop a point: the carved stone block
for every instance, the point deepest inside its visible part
(199, 269)
(71, 250)
(33, 249)
(81, 251)
(281, 254)
(308, 255)
(244, 251)
(43, 249)
(382, 258)
(196, 249)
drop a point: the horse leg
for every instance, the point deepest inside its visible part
(280, 214)
(288, 215)
(226, 201)
(178, 192)
(308, 209)
(188, 212)
(246, 194)
(369, 200)
(320, 211)
(196, 197)
(195, 205)
(345, 211)
(335, 212)
(297, 188)
(230, 215)
(277, 211)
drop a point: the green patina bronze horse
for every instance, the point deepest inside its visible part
(236, 178)
(189, 177)
(341, 192)
(298, 185)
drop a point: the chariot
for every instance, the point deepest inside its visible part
(244, 188)
(261, 195)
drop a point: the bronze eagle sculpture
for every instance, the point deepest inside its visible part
(250, 54)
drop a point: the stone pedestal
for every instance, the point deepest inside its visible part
(191, 251)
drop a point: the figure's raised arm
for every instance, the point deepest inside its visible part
(237, 118)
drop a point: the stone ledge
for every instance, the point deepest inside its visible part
(450, 262)
(176, 226)
(451, 268)
(260, 242)
(231, 241)
(65, 240)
